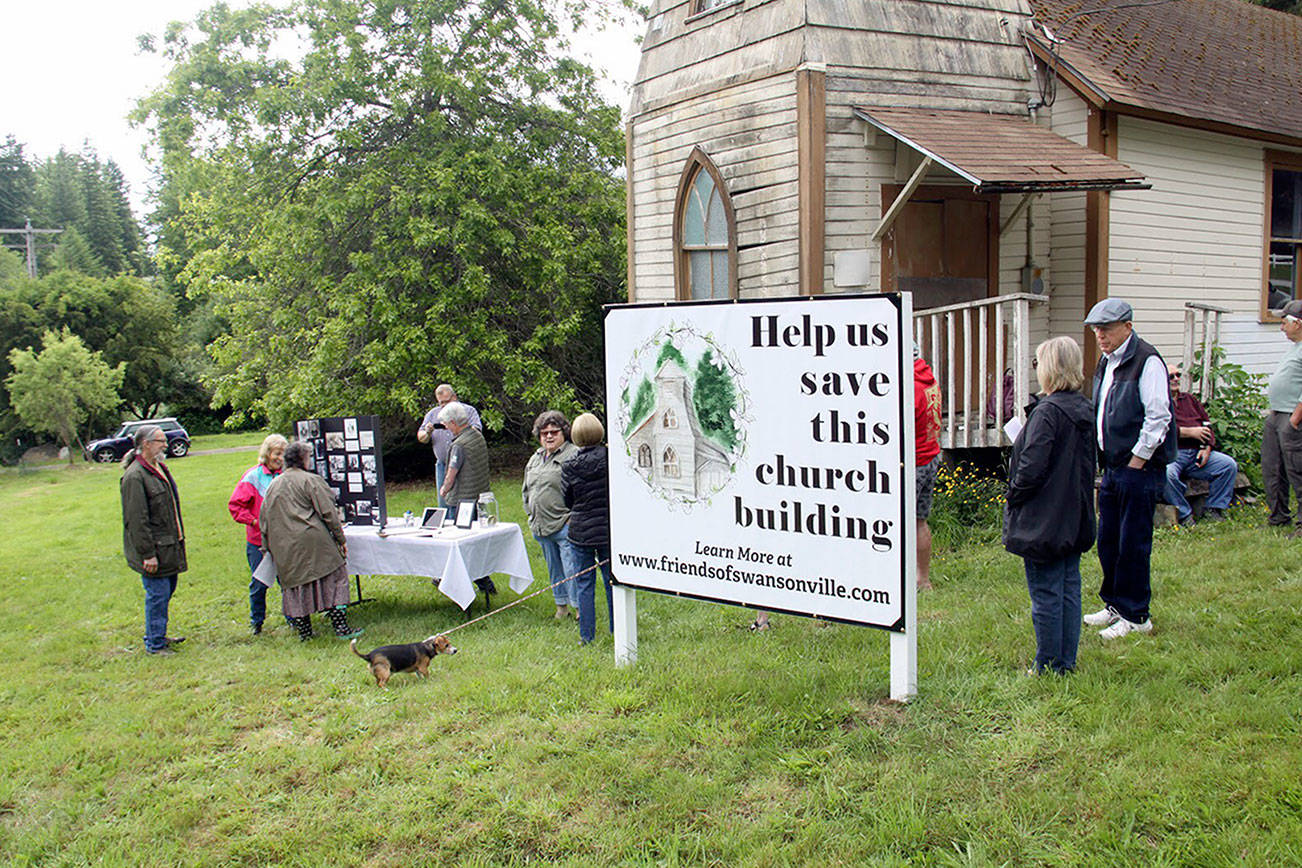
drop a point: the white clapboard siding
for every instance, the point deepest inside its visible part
(1195, 236)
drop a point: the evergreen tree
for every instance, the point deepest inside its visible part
(715, 397)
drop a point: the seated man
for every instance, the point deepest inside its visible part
(1196, 458)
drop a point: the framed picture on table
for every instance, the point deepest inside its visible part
(465, 514)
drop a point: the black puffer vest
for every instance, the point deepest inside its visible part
(1124, 414)
(585, 483)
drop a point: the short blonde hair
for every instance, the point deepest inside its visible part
(587, 430)
(272, 441)
(1059, 365)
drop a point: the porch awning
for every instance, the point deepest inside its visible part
(1002, 153)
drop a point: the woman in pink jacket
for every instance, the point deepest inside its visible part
(245, 504)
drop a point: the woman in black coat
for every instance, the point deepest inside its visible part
(1049, 517)
(585, 485)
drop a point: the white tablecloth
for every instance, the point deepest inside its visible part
(455, 557)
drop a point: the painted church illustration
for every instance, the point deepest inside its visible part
(669, 449)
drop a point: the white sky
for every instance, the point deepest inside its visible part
(73, 72)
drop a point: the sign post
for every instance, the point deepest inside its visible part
(761, 454)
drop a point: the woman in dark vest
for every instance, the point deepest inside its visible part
(153, 536)
(585, 483)
(1049, 517)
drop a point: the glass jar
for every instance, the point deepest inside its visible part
(487, 509)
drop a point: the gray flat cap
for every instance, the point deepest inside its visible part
(1293, 308)
(1110, 310)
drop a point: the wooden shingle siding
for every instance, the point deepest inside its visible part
(748, 131)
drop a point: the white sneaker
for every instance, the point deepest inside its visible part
(1122, 627)
(1103, 617)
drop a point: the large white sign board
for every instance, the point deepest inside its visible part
(761, 453)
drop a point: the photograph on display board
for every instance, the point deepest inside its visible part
(357, 480)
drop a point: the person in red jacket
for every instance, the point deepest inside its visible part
(926, 419)
(245, 505)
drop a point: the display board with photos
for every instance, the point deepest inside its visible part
(347, 453)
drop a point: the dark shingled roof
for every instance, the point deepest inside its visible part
(1228, 62)
(1002, 153)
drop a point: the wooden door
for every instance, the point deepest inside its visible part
(943, 247)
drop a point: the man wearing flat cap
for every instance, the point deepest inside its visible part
(1281, 442)
(1135, 428)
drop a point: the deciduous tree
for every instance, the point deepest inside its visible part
(59, 388)
(429, 193)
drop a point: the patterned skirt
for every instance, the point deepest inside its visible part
(325, 593)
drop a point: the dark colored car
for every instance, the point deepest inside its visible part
(113, 448)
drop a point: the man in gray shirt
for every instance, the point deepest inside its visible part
(1281, 442)
(439, 437)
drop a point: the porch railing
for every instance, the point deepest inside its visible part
(1208, 316)
(973, 348)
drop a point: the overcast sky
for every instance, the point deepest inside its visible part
(73, 72)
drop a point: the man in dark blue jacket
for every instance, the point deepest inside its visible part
(1135, 429)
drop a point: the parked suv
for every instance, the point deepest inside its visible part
(113, 448)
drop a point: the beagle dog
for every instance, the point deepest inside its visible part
(412, 657)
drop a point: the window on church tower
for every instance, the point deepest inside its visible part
(670, 418)
(705, 234)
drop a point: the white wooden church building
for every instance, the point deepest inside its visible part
(1010, 162)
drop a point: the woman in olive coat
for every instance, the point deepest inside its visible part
(300, 527)
(153, 536)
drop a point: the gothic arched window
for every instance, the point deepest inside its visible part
(644, 456)
(705, 233)
(670, 418)
(670, 463)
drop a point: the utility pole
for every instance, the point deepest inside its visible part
(29, 243)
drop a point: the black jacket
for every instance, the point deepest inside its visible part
(585, 484)
(1050, 509)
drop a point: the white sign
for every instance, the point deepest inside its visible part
(761, 453)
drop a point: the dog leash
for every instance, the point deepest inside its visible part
(522, 599)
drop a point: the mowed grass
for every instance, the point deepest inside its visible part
(720, 746)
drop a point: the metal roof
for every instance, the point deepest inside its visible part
(1002, 153)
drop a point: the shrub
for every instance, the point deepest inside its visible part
(968, 506)
(1236, 409)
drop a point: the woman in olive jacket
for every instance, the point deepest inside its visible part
(1049, 517)
(153, 536)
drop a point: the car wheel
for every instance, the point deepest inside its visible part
(105, 456)
(178, 448)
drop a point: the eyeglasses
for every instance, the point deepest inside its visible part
(1174, 378)
(550, 432)
(157, 439)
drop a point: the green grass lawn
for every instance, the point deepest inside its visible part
(720, 746)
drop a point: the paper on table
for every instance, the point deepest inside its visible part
(1013, 427)
(266, 571)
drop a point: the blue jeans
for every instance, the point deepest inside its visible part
(1219, 471)
(158, 593)
(582, 557)
(1127, 498)
(257, 590)
(440, 473)
(1055, 611)
(564, 591)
